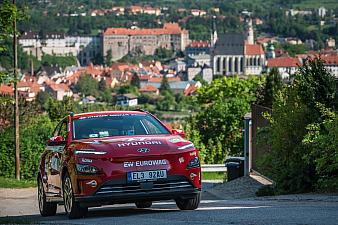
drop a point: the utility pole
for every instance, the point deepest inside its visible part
(16, 104)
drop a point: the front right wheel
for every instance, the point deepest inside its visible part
(46, 208)
(188, 204)
(73, 209)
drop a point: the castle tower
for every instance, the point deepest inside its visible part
(250, 32)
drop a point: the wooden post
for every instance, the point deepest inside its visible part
(16, 104)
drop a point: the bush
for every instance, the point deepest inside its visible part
(33, 138)
(303, 133)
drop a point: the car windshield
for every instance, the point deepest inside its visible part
(109, 125)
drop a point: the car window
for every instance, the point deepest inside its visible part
(116, 125)
(61, 130)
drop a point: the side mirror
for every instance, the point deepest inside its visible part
(55, 139)
(178, 132)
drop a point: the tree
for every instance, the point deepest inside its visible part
(301, 132)
(220, 122)
(273, 85)
(163, 53)
(164, 85)
(87, 85)
(135, 80)
(109, 58)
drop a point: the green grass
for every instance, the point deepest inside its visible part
(13, 183)
(213, 176)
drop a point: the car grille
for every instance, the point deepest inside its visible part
(162, 185)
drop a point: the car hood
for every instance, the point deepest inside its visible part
(128, 146)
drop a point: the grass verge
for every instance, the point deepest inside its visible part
(13, 183)
(213, 175)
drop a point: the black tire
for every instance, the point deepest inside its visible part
(46, 208)
(72, 208)
(143, 205)
(189, 204)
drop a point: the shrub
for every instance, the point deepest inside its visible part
(32, 143)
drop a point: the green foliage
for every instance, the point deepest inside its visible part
(135, 81)
(163, 53)
(87, 85)
(57, 110)
(322, 140)
(271, 89)
(61, 61)
(302, 133)
(109, 58)
(164, 85)
(167, 102)
(33, 139)
(293, 49)
(219, 124)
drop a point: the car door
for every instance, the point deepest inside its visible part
(57, 148)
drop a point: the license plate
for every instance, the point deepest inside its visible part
(147, 175)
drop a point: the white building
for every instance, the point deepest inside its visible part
(322, 12)
(84, 48)
(286, 66)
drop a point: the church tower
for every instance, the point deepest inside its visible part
(250, 32)
(213, 33)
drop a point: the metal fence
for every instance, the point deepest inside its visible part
(214, 168)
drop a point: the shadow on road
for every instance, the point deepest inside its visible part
(92, 213)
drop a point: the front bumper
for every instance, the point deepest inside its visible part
(117, 192)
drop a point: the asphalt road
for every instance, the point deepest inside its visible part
(301, 211)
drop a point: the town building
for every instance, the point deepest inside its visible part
(237, 54)
(286, 66)
(123, 41)
(126, 100)
(56, 43)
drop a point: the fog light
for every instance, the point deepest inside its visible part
(88, 169)
(92, 183)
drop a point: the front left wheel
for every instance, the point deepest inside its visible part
(46, 208)
(189, 204)
(72, 208)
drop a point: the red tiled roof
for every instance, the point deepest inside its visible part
(6, 89)
(330, 60)
(190, 90)
(59, 87)
(148, 88)
(254, 49)
(284, 62)
(168, 28)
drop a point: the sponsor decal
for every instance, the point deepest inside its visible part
(104, 115)
(93, 135)
(104, 133)
(181, 159)
(175, 140)
(136, 143)
(193, 154)
(145, 163)
(143, 150)
(86, 160)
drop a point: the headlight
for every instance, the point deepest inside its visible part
(86, 169)
(186, 146)
(194, 163)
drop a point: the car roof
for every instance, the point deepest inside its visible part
(107, 113)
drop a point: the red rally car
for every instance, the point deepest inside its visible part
(102, 158)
